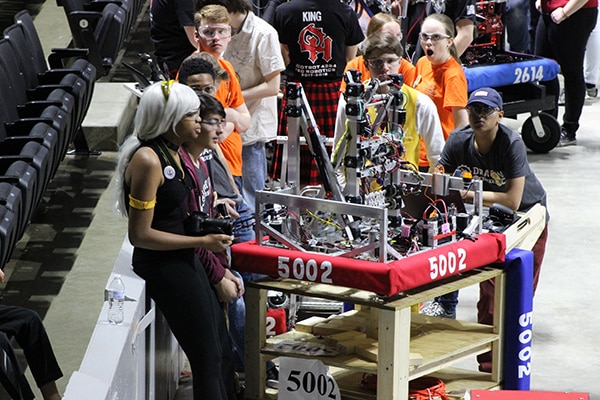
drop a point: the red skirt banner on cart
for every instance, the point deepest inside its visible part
(385, 279)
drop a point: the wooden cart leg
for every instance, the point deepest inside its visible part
(256, 311)
(393, 356)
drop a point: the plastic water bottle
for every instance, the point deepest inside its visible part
(116, 298)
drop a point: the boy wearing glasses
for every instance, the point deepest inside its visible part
(497, 155)
(204, 75)
(382, 56)
(254, 52)
(199, 73)
(493, 153)
(213, 34)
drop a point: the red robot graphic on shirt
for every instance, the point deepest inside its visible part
(314, 41)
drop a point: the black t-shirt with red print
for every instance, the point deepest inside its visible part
(317, 33)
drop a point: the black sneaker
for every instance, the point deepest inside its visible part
(566, 139)
(241, 392)
(273, 377)
(591, 90)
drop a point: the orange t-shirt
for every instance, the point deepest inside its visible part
(446, 85)
(407, 70)
(229, 94)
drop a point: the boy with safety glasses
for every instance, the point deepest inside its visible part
(382, 57)
(496, 155)
(213, 34)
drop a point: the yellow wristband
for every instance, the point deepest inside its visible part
(141, 205)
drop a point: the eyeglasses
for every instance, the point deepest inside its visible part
(377, 63)
(210, 31)
(215, 122)
(434, 37)
(166, 88)
(208, 89)
(482, 109)
(194, 115)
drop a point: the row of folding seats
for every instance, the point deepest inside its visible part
(41, 110)
(101, 26)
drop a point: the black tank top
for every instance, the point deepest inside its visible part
(170, 210)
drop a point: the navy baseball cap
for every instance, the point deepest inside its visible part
(487, 96)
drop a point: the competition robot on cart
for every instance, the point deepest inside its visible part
(488, 64)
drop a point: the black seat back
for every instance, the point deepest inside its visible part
(70, 95)
(19, 120)
(8, 234)
(78, 79)
(11, 198)
(102, 33)
(24, 175)
(30, 40)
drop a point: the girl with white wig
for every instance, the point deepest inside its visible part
(154, 192)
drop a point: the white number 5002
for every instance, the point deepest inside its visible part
(309, 270)
(447, 264)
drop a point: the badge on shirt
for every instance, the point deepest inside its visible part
(169, 172)
(439, 6)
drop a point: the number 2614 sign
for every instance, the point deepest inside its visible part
(304, 379)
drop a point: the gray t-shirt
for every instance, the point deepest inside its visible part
(220, 179)
(507, 159)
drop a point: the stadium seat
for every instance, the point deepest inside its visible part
(101, 32)
(24, 176)
(40, 133)
(8, 234)
(59, 62)
(62, 61)
(33, 153)
(20, 63)
(11, 374)
(11, 198)
(46, 127)
(20, 119)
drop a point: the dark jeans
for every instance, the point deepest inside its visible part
(566, 43)
(244, 225)
(180, 288)
(449, 301)
(237, 323)
(534, 16)
(517, 25)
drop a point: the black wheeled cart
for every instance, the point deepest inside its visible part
(517, 77)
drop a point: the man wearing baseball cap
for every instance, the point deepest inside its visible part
(496, 155)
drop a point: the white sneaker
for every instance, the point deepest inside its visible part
(435, 309)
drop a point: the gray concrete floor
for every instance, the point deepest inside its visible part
(565, 346)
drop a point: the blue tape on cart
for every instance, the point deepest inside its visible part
(538, 69)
